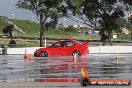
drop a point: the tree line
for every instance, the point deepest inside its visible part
(103, 15)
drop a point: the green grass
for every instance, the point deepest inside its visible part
(31, 29)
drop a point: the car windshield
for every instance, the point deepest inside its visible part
(56, 45)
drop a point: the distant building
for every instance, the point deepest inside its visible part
(75, 26)
(62, 25)
(125, 30)
(78, 26)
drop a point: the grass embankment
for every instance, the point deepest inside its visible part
(31, 30)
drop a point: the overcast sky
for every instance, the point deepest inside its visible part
(7, 8)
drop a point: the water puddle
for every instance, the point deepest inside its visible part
(63, 69)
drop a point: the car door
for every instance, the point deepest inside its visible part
(67, 49)
(55, 49)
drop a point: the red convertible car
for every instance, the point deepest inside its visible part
(63, 48)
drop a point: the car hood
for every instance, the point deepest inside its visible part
(40, 49)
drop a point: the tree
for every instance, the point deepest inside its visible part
(8, 31)
(44, 9)
(129, 25)
(129, 8)
(120, 23)
(103, 13)
(71, 29)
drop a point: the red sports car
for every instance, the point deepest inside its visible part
(63, 48)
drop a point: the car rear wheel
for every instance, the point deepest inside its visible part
(44, 54)
(76, 53)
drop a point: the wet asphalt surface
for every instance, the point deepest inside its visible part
(14, 68)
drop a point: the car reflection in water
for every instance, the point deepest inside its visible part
(61, 69)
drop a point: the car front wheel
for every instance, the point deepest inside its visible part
(44, 54)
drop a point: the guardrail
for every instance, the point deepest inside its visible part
(92, 50)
